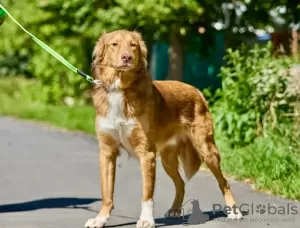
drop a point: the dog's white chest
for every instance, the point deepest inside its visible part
(116, 107)
(115, 123)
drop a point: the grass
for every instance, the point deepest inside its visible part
(272, 162)
(20, 98)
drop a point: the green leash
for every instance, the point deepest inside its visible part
(3, 13)
(2, 16)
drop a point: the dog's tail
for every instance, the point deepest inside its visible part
(189, 159)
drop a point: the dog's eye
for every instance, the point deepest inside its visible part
(114, 44)
(133, 45)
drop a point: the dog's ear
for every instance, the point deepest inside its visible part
(143, 49)
(99, 50)
(98, 56)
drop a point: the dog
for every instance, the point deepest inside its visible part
(146, 117)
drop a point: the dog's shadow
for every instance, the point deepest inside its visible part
(49, 203)
(182, 220)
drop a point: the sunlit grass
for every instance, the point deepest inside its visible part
(16, 100)
(271, 163)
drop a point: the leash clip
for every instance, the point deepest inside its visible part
(97, 82)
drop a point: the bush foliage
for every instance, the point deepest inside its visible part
(254, 95)
(72, 28)
(21, 56)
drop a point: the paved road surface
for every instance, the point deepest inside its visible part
(50, 179)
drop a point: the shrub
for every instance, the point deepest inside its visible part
(254, 93)
(58, 81)
(15, 45)
(19, 55)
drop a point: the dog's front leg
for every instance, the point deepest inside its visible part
(142, 142)
(148, 164)
(107, 159)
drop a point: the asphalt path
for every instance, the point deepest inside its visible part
(49, 178)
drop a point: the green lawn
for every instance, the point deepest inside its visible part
(20, 98)
(271, 162)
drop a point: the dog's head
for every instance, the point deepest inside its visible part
(122, 50)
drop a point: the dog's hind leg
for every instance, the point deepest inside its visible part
(169, 159)
(203, 141)
(184, 151)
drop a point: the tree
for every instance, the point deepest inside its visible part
(72, 28)
(173, 21)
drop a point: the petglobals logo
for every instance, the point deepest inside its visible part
(262, 209)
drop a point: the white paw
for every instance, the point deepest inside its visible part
(97, 222)
(234, 216)
(145, 223)
(173, 213)
(146, 218)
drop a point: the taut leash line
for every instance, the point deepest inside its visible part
(51, 51)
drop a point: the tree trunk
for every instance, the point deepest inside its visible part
(176, 52)
(294, 42)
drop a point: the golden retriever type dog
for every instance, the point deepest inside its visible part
(145, 117)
